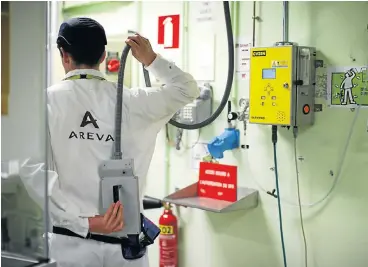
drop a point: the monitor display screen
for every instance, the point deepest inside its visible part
(269, 74)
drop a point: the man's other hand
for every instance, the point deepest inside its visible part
(111, 221)
(141, 49)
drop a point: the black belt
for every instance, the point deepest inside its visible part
(129, 250)
(100, 238)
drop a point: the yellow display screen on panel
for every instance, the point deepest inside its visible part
(270, 88)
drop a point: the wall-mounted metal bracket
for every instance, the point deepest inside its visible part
(188, 197)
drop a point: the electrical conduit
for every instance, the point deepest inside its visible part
(274, 141)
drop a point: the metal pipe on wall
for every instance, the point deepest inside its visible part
(254, 24)
(285, 22)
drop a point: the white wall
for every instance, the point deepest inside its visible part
(22, 130)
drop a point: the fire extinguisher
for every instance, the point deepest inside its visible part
(168, 239)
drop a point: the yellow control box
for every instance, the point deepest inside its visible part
(281, 90)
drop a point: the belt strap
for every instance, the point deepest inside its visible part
(100, 238)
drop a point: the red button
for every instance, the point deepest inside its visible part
(306, 109)
(113, 65)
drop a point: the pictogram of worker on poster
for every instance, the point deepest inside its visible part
(347, 86)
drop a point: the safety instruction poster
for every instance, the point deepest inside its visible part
(242, 53)
(202, 15)
(218, 181)
(347, 86)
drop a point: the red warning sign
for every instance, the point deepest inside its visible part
(169, 31)
(218, 181)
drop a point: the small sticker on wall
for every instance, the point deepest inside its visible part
(318, 107)
(279, 64)
(199, 152)
(319, 63)
(242, 46)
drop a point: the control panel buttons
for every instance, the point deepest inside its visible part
(268, 89)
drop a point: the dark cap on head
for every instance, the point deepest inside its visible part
(82, 33)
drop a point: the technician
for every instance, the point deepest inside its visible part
(81, 111)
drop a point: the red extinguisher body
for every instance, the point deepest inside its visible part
(168, 239)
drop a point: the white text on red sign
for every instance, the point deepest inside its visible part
(217, 173)
(217, 184)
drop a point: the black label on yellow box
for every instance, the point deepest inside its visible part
(259, 53)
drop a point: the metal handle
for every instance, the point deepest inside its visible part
(115, 193)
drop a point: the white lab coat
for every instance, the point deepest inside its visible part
(78, 148)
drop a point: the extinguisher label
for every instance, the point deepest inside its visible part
(168, 243)
(166, 230)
